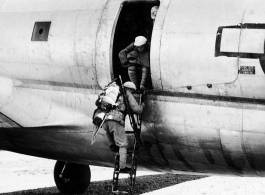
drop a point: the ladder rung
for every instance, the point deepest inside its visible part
(119, 192)
(129, 132)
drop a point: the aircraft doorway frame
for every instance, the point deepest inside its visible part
(133, 19)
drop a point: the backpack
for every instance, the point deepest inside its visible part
(105, 102)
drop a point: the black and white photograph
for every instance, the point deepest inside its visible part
(105, 97)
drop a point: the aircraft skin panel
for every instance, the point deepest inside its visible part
(253, 12)
(49, 5)
(180, 144)
(85, 59)
(186, 57)
(104, 42)
(31, 110)
(209, 133)
(156, 45)
(75, 32)
(179, 134)
(72, 98)
(247, 40)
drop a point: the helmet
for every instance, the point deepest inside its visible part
(140, 40)
(129, 85)
(108, 100)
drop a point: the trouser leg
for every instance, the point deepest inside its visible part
(109, 136)
(145, 75)
(111, 142)
(120, 139)
(132, 75)
(123, 157)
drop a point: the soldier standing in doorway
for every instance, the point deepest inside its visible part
(134, 56)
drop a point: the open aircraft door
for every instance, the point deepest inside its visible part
(120, 23)
(103, 50)
(132, 20)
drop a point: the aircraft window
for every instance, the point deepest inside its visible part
(41, 31)
(134, 20)
(250, 36)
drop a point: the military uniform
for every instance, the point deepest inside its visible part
(142, 59)
(114, 125)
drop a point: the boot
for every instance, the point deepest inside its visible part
(145, 75)
(132, 74)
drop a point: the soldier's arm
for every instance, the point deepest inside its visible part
(123, 54)
(135, 107)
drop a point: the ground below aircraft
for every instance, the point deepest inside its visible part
(205, 107)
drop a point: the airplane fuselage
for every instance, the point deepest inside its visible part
(204, 112)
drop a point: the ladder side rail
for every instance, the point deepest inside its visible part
(131, 117)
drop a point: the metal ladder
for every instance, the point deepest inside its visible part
(134, 156)
(132, 173)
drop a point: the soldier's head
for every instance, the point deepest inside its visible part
(140, 43)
